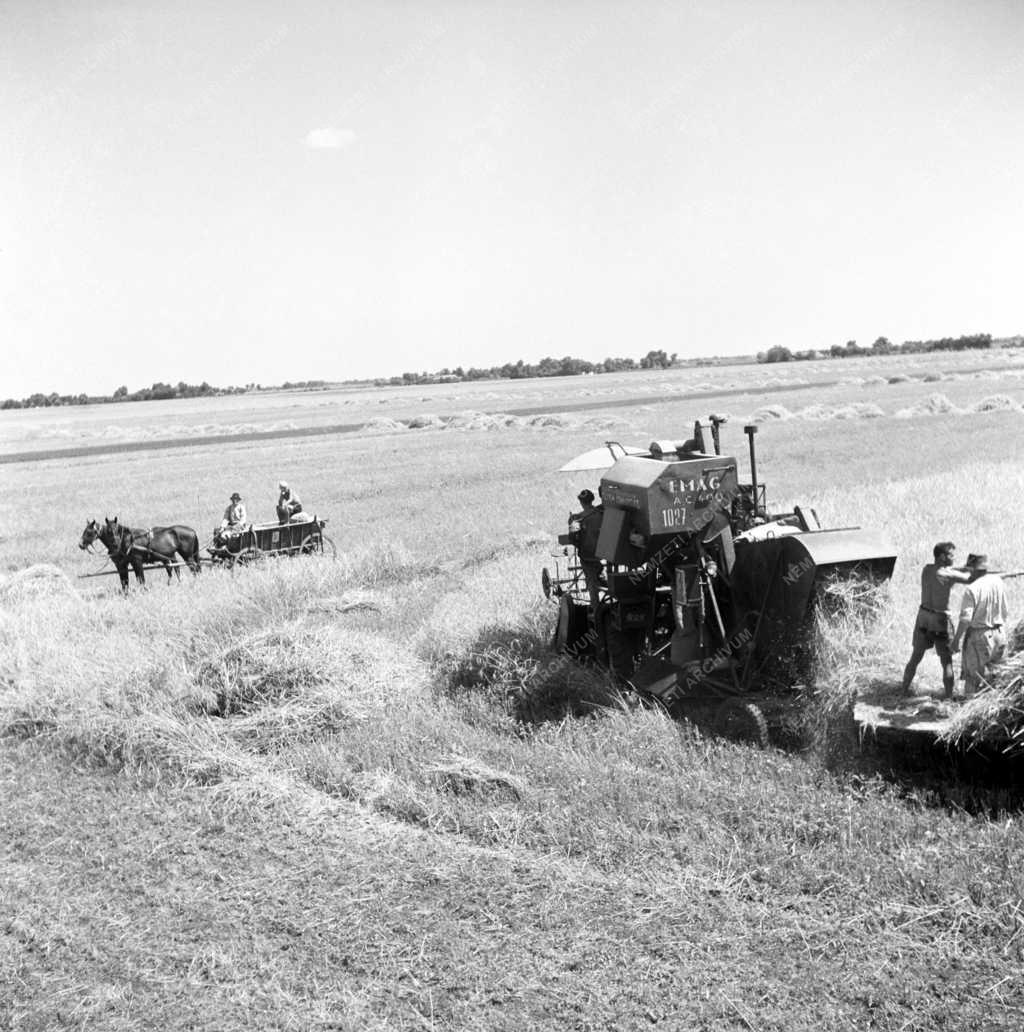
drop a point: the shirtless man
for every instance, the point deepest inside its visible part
(933, 627)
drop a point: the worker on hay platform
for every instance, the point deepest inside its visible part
(588, 530)
(289, 508)
(982, 616)
(933, 627)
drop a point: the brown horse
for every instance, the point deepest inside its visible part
(128, 547)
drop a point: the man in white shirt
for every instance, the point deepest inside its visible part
(983, 613)
(234, 515)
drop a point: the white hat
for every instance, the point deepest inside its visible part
(282, 484)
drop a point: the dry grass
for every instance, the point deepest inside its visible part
(364, 794)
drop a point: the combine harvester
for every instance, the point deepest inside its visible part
(699, 597)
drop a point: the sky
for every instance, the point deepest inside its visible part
(245, 192)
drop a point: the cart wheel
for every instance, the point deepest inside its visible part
(327, 546)
(545, 582)
(247, 556)
(742, 722)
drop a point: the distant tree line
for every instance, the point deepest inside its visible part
(882, 346)
(158, 392)
(521, 370)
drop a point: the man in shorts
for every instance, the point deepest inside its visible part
(982, 616)
(933, 628)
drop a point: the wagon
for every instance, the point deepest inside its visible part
(272, 539)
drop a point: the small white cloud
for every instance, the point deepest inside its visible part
(329, 139)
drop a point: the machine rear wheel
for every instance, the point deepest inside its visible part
(742, 722)
(621, 648)
(571, 635)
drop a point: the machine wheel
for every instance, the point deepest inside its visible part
(621, 648)
(571, 630)
(742, 722)
(545, 582)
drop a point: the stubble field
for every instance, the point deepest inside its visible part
(362, 794)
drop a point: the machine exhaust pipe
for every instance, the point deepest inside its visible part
(750, 430)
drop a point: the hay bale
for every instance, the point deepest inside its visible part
(994, 403)
(933, 405)
(548, 422)
(426, 421)
(995, 715)
(816, 413)
(35, 581)
(468, 420)
(383, 425)
(770, 413)
(859, 410)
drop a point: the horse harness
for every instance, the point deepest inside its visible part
(126, 542)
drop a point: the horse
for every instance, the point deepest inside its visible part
(128, 547)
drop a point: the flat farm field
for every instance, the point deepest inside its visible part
(361, 793)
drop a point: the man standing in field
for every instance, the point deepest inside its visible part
(589, 521)
(982, 615)
(933, 626)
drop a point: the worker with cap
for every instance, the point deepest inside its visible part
(289, 508)
(234, 515)
(932, 626)
(983, 613)
(233, 522)
(588, 531)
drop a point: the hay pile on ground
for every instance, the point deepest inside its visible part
(933, 405)
(426, 421)
(854, 410)
(770, 413)
(994, 403)
(995, 716)
(383, 425)
(38, 579)
(471, 420)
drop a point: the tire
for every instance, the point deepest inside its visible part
(742, 722)
(247, 556)
(571, 630)
(621, 648)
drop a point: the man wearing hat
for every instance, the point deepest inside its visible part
(234, 518)
(588, 530)
(234, 515)
(289, 508)
(932, 625)
(983, 613)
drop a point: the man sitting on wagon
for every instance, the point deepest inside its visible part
(234, 520)
(289, 508)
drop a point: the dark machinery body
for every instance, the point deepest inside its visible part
(704, 601)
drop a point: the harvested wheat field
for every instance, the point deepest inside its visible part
(366, 793)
